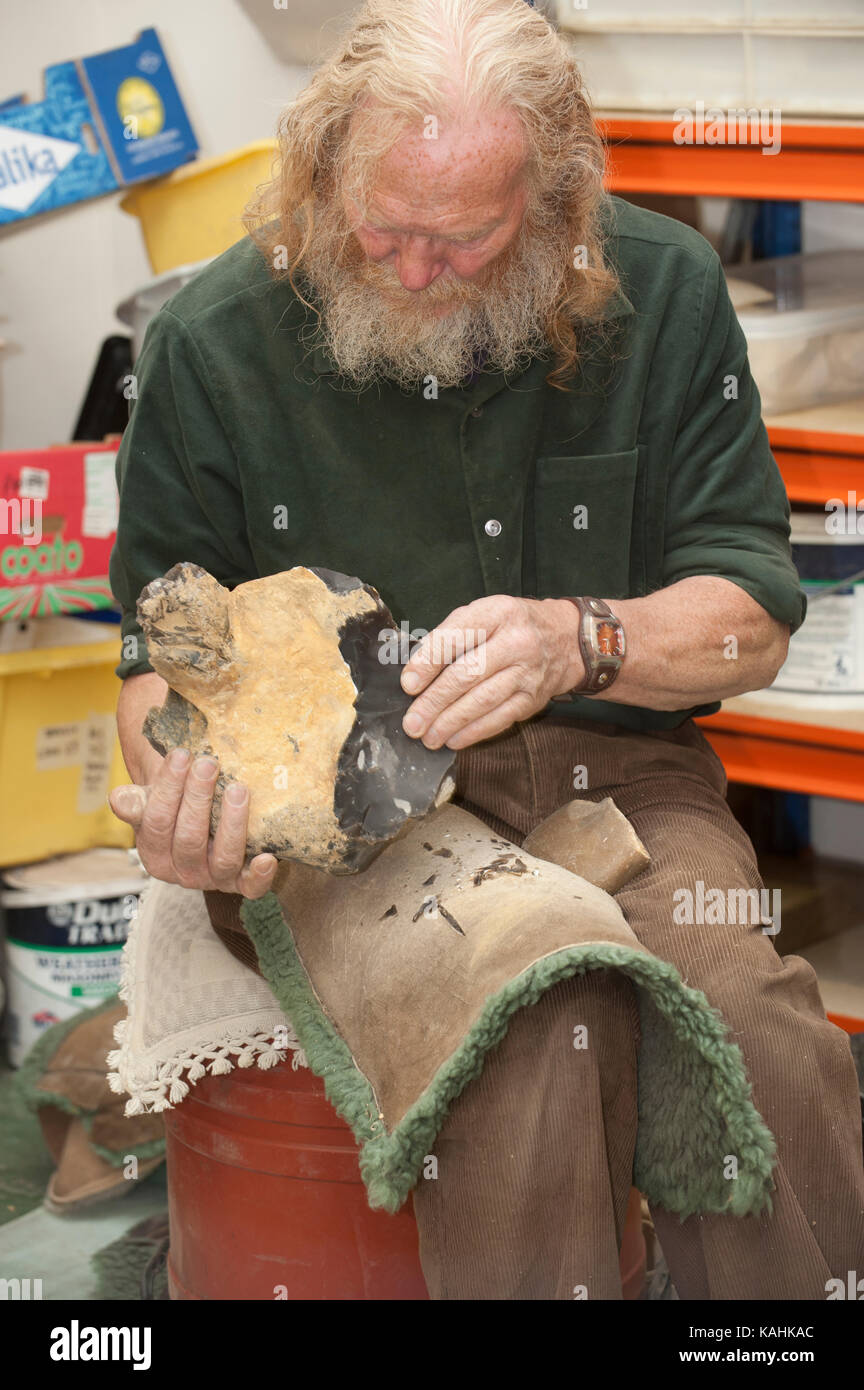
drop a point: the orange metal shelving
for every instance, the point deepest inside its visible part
(848, 1024)
(815, 161)
(814, 759)
(815, 478)
(808, 758)
(817, 466)
(824, 161)
(829, 442)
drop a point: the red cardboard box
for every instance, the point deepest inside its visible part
(58, 518)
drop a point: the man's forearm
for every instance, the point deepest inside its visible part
(136, 697)
(700, 640)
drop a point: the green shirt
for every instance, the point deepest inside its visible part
(245, 453)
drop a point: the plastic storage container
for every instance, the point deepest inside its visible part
(802, 59)
(803, 317)
(58, 745)
(195, 213)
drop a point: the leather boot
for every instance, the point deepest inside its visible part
(90, 1139)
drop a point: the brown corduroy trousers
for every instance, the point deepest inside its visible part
(534, 1160)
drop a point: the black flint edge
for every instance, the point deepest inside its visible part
(395, 766)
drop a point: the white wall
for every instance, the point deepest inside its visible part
(62, 275)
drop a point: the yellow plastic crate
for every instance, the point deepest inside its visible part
(59, 751)
(195, 212)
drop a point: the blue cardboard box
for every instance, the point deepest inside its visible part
(106, 121)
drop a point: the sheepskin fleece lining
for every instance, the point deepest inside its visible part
(695, 1104)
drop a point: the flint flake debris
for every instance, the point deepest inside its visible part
(448, 917)
(439, 907)
(501, 866)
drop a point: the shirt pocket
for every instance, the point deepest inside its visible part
(584, 524)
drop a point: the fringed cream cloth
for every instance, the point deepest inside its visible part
(193, 1008)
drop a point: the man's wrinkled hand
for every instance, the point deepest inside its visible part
(489, 664)
(171, 820)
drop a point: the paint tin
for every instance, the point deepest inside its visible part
(66, 920)
(825, 665)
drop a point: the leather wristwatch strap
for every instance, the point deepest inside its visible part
(601, 644)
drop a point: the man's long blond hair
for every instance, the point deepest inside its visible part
(403, 62)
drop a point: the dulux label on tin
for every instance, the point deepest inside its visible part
(62, 956)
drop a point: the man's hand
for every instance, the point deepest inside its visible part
(490, 663)
(171, 819)
(500, 659)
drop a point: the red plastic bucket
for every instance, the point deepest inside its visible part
(266, 1201)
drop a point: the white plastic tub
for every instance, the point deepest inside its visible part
(684, 14)
(805, 330)
(805, 59)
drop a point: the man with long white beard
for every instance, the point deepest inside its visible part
(447, 362)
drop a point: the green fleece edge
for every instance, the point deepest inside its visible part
(390, 1164)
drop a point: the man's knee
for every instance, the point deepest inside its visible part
(711, 917)
(576, 1045)
(796, 1059)
(595, 1009)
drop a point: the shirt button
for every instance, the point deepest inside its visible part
(477, 412)
(492, 528)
